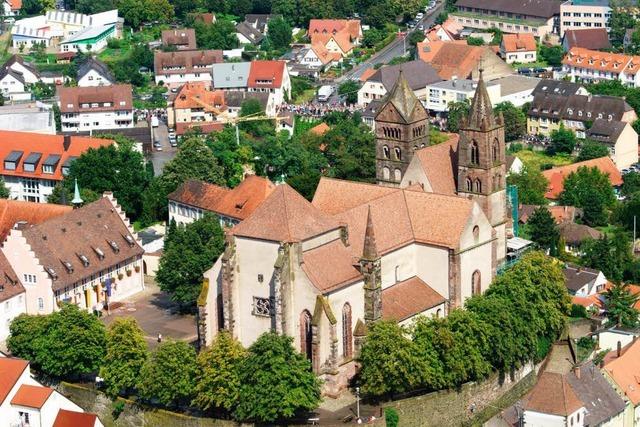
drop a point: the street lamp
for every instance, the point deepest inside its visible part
(358, 405)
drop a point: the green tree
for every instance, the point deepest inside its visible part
(515, 121)
(589, 189)
(24, 335)
(194, 160)
(279, 33)
(563, 140)
(620, 304)
(90, 7)
(126, 354)
(391, 417)
(620, 20)
(552, 55)
(137, 12)
(232, 157)
(609, 255)
(256, 128)
(592, 150)
(391, 362)
(218, 379)
(475, 41)
(543, 230)
(219, 35)
(276, 381)
(4, 191)
(532, 185)
(630, 184)
(168, 376)
(349, 90)
(457, 111)
(627, 210)
(186, 256)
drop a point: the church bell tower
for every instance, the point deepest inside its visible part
(482, 166)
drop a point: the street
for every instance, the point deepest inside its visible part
(159, 158)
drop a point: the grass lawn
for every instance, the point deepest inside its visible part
(306, 96)
(537, 64)
(536, 159)
(437, 137)
(303, 126)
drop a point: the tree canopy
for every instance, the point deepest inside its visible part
(515, 121)
(591, 190)
(620, 302)
(543, 230)
(531, 184)
(563, 140)
(592, 150)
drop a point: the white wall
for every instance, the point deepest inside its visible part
(176, 80)
(521, 56)
(93, 78)
(9, 310)
(537, 419)
(86, 121)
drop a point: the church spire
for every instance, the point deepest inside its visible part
(481, 113)
(403, 97)
(370, 251)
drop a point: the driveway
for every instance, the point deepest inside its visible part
(155, 314)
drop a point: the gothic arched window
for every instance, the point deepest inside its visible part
(305, 333)
(478, 185)
(496, 150)
(347, 334)
(397, 175)
(469, 184)
(398, 153)
(476, 283)
(385, 152)
(476, 233)
(475, 153)
(386, 173)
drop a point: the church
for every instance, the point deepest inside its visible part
(427, 236)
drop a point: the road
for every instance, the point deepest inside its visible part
(159, 158)
(392, 50)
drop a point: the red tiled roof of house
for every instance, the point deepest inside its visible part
(557, 175)
(185, 61)
(439, 163)
(84, 99)
(586, 302)
(266, 74)
(10, 285)
(625, 371)
(31, 396)
(330, 26)
(13, 211)
(205, 127)
(49, 147)
(342, 38)
(553, 395)
(10, 371)
(184, 38)
(15, 4)
(408, 298)
(589, 38)
(519, 42)
(197, 95)
(330, 266)
(602, 61)
(74, 419)
(367, 73)
(285, 216)
(323, 54)
(454, 58)
(320, 129)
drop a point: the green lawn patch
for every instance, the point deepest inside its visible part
(538, 159)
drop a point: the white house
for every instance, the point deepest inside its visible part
(12, 297)
(582, 281)
(519, 47)
(270, 77)
(11, 7)
(29, 73)
(94, 73)
(96, 107)
(564, 409)
(12, 85)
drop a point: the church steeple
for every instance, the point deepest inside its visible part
(369, 251)
(403, 98)
(481, 113)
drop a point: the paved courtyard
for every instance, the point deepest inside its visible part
(155, 314)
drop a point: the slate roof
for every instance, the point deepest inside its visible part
(231, 75)
(538, 8)
(556, 87)
(418, 74)
(577, 233)
(252, 34)
(578, 107)
(19, 60)
(61, 240)
(408, 298)
(597, 395)
(606, 131)
(7, 71)
(589, 38)
(99, 66)
(238, 203)
(576, 277)
(235, 98)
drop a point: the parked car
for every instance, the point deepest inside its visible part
(419, 16)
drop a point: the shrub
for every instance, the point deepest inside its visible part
(579, 311)
(391, 417)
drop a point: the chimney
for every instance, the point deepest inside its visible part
(576, 371)
(67, 142)
(20, 225)
(619, 349)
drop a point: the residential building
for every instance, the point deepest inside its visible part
(34, 163)
(337, 36)
(559, 87)
(96, 107)
(12, 297)
(459, 60)
(11, 7)
(448, 31)
(70, 31)
(231, 76)
(511, 16)
(25, 402)
(173, 69)
(418, 74)
(579, 14)
(180, 38)
(254, 28)
(549, 111)
(270, 77)
(617, 337)
(194, 198)
(28, 117)
(369, 113)
(29, 73)
(234, 99)
(195, 103)
(514, 165)
(93, 72)
(574, 235)
(318, 57)
(518, 47)
(12, 85)
(205, 18)
(442, 93)
(556, 175)
(593, 66)
(589, 38)
(619, 137)
(559, 213)
(622, 370)
(582, 281)
(89, 257)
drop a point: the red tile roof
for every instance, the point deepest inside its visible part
(13, 211)
(553, 395)
(332, 26)
(237, 203)
(557, 175)
(266, 74)
(625, 371)
(198, 95)
(367, 74)
(590, 38)
(320, 129)
(183, 38)
(205, 127)
(440, 163)
(47, 146)
(408, 298)
(15, 4)
(602, 61)
(285, 216)
(31, 396)
(186, 61)
(330, 266)
(83, 99)
(10, 285)
(454, 58)
(74, 419)
(10, 371)
(520, 42)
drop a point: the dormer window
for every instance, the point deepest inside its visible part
(68, 266)
(52, 273)
(580, 113)
(99, 252)
(114, 246)
(12, 160)
(130, 240)
(84, 259)
(569, 111)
